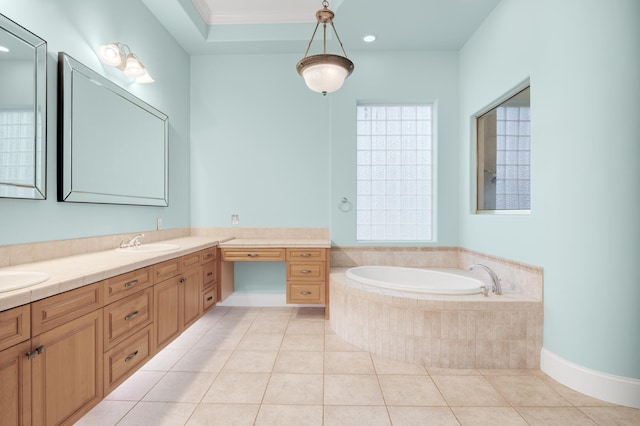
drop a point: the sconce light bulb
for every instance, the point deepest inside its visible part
(133, 67)
(110, 54)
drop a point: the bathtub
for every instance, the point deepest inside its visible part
(416, 280)
(435, 318)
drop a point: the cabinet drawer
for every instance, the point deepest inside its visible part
(15, 326)
(309, 255)
(189, 261)
(305, 293)
(208, 298)
(208, 255)
(306, 271)
(125, 358)
(166, 270)
(118, 287)
(253, 255)
(126, 316)
(208, 274)
(56, 310)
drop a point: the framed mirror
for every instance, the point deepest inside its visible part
(113, 148)
(23, 112)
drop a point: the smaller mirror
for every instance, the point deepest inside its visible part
(23, 112)
(504, 164)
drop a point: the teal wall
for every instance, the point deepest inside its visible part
(582, 58)
(267, 148)
(77, 27)
(260, 144)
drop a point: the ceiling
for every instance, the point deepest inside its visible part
(285, 26)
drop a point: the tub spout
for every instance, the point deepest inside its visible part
(497, 288)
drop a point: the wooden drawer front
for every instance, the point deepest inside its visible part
(121, 361)
(118, 287)
(208, 255)
(15, 326)
(189, 261)
(166, 270)
(209, 274)
(253, 255)
(305, 293)
(305, 271)
(309, 255)
(126, 316)
(208, 298)
(51, 312)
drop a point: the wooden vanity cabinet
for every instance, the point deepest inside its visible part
(15, 368)
(66, 355)
(307, 272)
(178, 298)
(209, 292)
(128, 325)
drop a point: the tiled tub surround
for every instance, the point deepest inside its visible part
(440, 331)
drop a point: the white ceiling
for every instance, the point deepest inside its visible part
(285, 26)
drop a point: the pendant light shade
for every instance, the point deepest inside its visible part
(324, 73)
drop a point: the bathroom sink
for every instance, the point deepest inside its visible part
(14, 280)
(149, 248)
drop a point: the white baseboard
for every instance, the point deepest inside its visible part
(607, 387)
(257, 300)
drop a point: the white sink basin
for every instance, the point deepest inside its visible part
(14, 280)
(149, 248)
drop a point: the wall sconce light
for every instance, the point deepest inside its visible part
(119, 55)
(324, 73)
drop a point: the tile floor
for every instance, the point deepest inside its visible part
(285, 367)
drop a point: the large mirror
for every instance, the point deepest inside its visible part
(112, 147)
(23, 112)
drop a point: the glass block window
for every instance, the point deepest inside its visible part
(394, 173)
(513, 139)
(17, 155)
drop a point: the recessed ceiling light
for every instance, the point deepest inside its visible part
(369, 38)
(4, 49)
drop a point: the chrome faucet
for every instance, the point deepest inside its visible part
(134, 241)
(497, 288)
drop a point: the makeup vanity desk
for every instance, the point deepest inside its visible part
(307, 263)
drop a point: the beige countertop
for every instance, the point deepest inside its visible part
(275, 242)
(68, 273)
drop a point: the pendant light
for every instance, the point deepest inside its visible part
(324, 73)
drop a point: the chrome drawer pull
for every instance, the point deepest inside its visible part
(306, 271)
(131, 356)
(305, 293)
(132, 315)
(131, 284)
(209, 298)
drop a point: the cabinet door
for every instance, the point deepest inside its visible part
(67, 370)
(191, 296)
(167, 311)
(15, 385)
